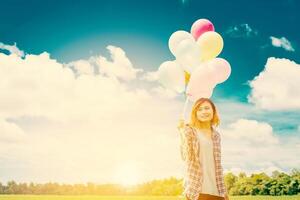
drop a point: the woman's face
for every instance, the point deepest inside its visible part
(205, 112)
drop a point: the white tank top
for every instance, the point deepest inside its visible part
(209, 185)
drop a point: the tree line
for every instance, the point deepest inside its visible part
(279, 183)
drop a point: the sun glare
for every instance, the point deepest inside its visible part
(126, 174)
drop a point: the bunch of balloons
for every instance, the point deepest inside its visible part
(196, 68)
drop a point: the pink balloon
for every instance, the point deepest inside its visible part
(221, 69)
(200, 94)
(201, 26)
(201, 83)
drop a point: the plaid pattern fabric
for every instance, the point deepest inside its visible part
(189, 149)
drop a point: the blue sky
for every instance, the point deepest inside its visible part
(78, 33)
(73, 30)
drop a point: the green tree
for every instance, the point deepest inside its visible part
(2, 188)
(230, 180)
(12, 188)
(258, 183)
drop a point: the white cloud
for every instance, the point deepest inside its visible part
(252, 146)
(10, 132)
(163, 92)
(282, 42)
(83, 128)
(120, 66)
(251, 131)
(276, 87)
(92, 123)
(13, 49)
(150, 76)
(241, 31)
(81, 67)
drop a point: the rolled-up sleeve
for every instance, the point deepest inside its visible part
(186, 143)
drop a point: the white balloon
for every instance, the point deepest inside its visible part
(176, 38)
(188, 55)
(171, 76)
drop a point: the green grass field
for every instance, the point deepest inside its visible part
(55, 197)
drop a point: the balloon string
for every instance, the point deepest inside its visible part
(184, 109)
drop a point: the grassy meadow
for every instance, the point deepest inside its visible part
(91, 197)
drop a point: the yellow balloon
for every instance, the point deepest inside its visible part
(211, 44)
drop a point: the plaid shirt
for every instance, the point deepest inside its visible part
(189, 149)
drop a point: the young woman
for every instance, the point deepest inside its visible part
(201, 151)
